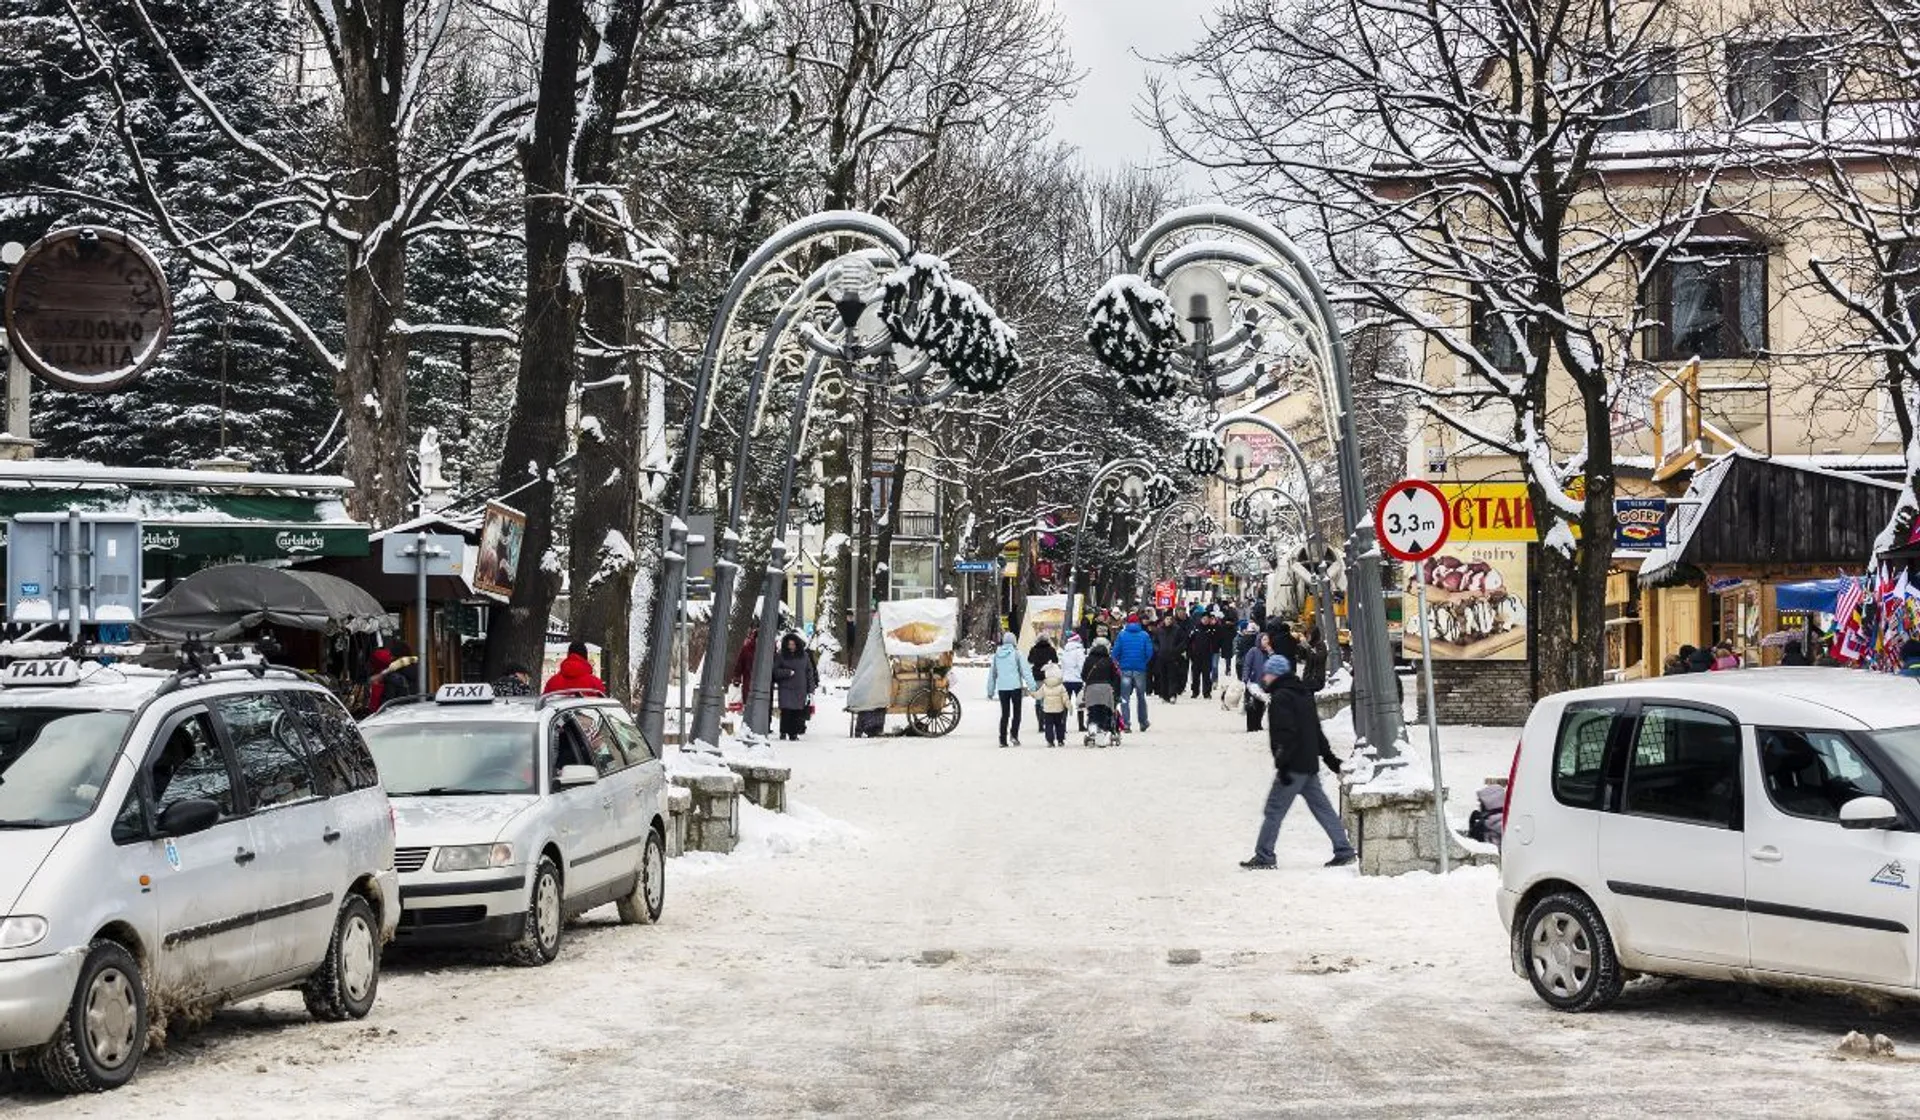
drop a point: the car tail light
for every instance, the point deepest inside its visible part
(1506, 804)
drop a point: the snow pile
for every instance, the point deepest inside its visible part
(766, 836)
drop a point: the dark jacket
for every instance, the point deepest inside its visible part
(1700, 661)
(794, 677)
(1294, 734)
(1133, 649)
(1204, 642)
(1040, 656)
(1314, 674)
(1099, 669)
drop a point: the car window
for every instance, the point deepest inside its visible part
(54, 761)
(273, 760)
(1684, 766)
(1581, 753)
(569, 746)
(608, 755)
(634, 743)
(1813, 773)
(437, 758)
(190, 765)
(341, 761)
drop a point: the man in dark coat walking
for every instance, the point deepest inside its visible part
(1299, 744)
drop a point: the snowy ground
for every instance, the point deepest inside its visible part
(949, 929)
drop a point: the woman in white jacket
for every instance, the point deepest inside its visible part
(1072, 659)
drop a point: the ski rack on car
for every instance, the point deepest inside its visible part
(206, 674)
(568, 694)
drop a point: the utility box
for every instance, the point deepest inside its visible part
(41, 567)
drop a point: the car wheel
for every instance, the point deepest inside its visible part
(344, 985)
(643, 906)
(539, 942)
(104, 1032)
(1569, 954)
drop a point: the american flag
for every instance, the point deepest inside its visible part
(1851, 643)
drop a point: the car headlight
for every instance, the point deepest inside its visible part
(22, 930)
(473, 857)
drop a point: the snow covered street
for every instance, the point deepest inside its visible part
(945, 929)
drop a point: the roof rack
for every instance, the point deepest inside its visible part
(569, 694)
(400, 701)
(205, 674)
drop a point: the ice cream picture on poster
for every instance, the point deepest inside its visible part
(1476, 602)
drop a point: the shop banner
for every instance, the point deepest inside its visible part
(1491, 511)
(1476, 603)
(1639, 524)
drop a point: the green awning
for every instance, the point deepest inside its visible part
(253, 540)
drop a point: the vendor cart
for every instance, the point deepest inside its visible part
(905, 668)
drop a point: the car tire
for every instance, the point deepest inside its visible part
(539, 940)
(103, 1035)
(1568, 954)
(348, 979)
(649, 897)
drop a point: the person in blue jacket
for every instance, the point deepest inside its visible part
(1010, 678)
(1132, 653)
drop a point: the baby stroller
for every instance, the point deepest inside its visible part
(1103, 724)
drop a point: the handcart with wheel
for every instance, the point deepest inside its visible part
(905, 669)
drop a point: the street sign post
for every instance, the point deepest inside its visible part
(973, 565)
(1413, 521)
(425, 554)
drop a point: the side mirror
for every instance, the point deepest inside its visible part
(576, 776)
(184, 818)
(1869, 812)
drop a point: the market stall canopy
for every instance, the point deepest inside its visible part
(1746, 512)
(1811, 595)
(217, 604)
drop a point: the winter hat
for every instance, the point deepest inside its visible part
(1133, 618)
(1007, 638)
(1277, 666)
(1248, 627)
(1053, 671)
(1100, 645)
(1073, 639)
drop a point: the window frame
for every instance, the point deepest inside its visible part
(316, 750)
(1788, 60)
(1604, 785)
(143, 776)
(1497, 346)
(617, 750)
(623, 725)
(1860, 751)
(1644, 97)
(1627, 742)
(1659, 342)
(226, 731)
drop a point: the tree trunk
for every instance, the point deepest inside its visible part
(601, 565)
(536, 431)
(372, 383)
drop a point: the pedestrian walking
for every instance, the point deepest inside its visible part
(1203, 649)
(1299, 745)
(1102, 680)
(1314, 673)
(1724, 658)
(1253, 666)
(795, 678)
(1132, 653)
(1054, 699)
(1796, 655)
(1073, 660)
(1038, 658)
(1171, 679)
(1010, 678)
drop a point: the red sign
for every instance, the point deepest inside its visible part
(1412, 520)
(1165, 594)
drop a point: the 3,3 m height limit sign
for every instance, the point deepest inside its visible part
(1412, 521)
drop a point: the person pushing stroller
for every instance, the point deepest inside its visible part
(1101, 682)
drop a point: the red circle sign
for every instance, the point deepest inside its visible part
(1412, 520)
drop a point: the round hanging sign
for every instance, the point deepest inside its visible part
(87, 309)
(1412, 520)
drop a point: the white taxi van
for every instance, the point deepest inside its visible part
(517, 814)
(1755, 825)
(179, 840)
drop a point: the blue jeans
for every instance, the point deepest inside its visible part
(1286, 787)
(1134, 683)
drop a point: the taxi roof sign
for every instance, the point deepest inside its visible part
(478, 693)
(48, 673)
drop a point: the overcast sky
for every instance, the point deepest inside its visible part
(1106, 37)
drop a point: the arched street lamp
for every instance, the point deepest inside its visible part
(1137, 488)
(1191, 335)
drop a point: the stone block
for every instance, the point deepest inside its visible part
(713, 817)
(764, 784)
(679, 808)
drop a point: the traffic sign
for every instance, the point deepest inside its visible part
(1412, 520)
(973, 565)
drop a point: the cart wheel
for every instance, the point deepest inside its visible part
(936, 724)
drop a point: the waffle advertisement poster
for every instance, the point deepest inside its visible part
(1476, 602)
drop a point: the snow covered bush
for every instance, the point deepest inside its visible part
(925, 308)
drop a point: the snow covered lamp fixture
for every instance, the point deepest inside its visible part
(948, 320)
(1199, 293)
(1204, 454)
(1134, 331)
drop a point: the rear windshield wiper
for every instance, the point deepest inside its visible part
(449, 791)
(30, 822)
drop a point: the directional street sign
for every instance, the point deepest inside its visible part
(1412, 520)
(973, 565)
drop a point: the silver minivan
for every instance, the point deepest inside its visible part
(179, 841)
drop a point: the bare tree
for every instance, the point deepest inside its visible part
(1469, 143)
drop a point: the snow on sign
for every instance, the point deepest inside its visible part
(1412, 520)
(87, 309)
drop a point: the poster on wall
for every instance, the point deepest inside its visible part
(1476, 602)
(500, 537)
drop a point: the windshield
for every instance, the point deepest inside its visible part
(53, 762)
(444, 759)
(1902, 746)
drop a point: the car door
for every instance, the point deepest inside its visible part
(1823, 900)
(625, 827)
(1673, 856)
(301, 864)
(649, 772)
(207, 887)
(581, 815)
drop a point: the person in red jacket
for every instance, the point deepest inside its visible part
(576, 672)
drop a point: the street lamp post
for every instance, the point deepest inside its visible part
(1275, 277)
(1239, 459)
(1140, 484)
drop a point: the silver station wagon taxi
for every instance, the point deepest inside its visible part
(516, 814)
(179, 841)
